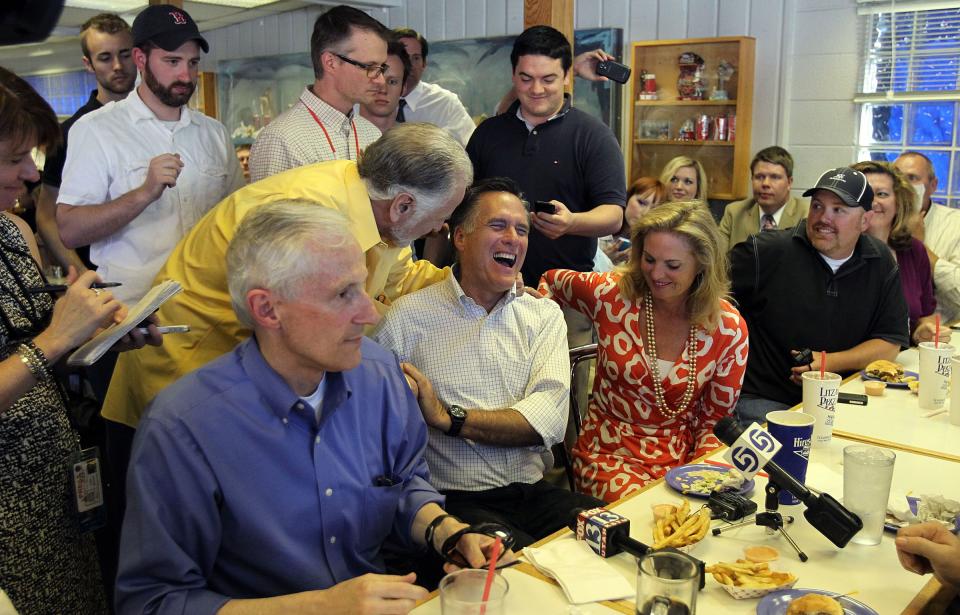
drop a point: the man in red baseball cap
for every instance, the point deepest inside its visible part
(142, 171)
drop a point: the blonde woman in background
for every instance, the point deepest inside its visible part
(684, 179)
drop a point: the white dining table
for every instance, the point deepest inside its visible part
(895, 419)
(873, 572)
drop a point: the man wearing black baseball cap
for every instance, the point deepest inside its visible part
(167, 27)
(140, 172)
(823, 285)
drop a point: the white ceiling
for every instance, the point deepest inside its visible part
(61, 51)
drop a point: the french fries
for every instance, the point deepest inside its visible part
(749, 575)
(679, 528)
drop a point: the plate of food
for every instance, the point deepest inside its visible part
(891, 373)
(700, 479)
(809, 602)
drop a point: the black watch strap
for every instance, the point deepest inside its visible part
(457, 417)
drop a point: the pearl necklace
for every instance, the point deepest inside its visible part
(655, 365)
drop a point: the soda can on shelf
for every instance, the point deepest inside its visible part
(731, 127)
(703, 127)
(721, 127)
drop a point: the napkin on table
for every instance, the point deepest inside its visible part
(581, 573)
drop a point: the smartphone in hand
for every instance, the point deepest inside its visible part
(545, 207)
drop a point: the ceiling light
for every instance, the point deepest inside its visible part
(242, 4)
(114, 6)
(126, 6)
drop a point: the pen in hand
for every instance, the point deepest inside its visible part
(62, 288)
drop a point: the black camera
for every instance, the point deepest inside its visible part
(614, 71)
(804, 357)
(730, 506)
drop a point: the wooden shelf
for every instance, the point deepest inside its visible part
(727, 163)
(684, 143)
(684, 103)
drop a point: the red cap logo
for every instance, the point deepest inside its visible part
(178, 18)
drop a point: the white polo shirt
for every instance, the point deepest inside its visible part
(109, 155)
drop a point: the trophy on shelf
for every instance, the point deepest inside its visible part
(724, 72)
(690, 85)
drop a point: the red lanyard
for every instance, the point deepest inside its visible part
(324, 129)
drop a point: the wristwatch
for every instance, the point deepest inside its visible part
(457, 416)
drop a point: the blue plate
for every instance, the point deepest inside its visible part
(892, 385)
(679, 478)
(776, 603)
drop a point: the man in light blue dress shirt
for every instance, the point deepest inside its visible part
(268, 480)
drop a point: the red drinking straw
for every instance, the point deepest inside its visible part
(823, 363)
(494, 554)
(936, 338)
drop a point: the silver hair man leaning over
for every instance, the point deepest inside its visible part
(406, 185)
(267, 480)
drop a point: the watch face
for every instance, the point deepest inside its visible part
(458, 412)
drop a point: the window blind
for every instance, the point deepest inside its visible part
(910, 51)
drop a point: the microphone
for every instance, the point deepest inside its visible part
(606, 532)
(823, 512)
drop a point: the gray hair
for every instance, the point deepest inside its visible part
(270, 246)
(418, 158)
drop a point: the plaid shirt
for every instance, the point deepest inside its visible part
(295, 138)
(514, 357)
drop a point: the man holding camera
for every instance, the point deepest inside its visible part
(559, 154)
(825, 286)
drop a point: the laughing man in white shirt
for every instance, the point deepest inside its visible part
(491, 372)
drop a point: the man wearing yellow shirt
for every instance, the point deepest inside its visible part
(405, 185)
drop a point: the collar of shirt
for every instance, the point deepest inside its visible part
(564, 109)
(466, 302)
(776, 215)
(139, 111)
(866, 247)
(359, 209)
(276, 394)
(415, 95)
(327, 114)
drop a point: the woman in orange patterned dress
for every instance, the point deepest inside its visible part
(654, 401)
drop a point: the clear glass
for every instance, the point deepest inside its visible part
(867, 474)
(461, 593)
(667, 584)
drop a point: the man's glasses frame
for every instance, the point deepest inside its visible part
(373, 70)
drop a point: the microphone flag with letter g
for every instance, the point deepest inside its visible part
(752, 450)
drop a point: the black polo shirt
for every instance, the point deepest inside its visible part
(792, 300)
(53, 165)
(573, 158)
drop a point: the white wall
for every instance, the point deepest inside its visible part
(820, 118)
(806, 59)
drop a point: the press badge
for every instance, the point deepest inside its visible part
(87, 489)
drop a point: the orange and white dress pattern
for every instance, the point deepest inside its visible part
(625, 441)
